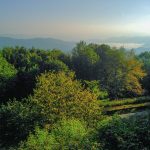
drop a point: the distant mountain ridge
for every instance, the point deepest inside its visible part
(51, 43)
(41, 43)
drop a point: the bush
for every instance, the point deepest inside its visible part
(67, 134)
(41, 139)
(126, 134)
(58, 96)
(70, 133)
(17, 120)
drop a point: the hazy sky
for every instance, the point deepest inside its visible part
(75, 19)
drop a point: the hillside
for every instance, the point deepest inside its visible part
(139, 44)
(42, 43)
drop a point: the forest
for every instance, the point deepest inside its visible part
(52, 100)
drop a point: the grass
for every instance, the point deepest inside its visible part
(139, 100)
(125, 105)
(147, 104)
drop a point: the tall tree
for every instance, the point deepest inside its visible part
(145, 58)
(59, 95)
(119, 71)
(83, 61)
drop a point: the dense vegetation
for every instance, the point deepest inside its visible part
(53, 100)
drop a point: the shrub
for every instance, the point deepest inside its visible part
(70, 133)
(67, 134)
(17, 120)
(41, 139)
(125, 134)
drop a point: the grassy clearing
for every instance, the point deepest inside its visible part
(127, 109)
(139, 100)
(147, 104)
(125, 105)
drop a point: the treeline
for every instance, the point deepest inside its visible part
(51, 100)
(109, 72)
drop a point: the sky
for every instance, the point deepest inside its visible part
(75, 19)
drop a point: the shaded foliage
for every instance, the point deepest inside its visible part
(7, 79)
(30, 63)
(65, 108)
(118, 71)
(83, 61)
(123, 134)
(17, 120)
(145, 58)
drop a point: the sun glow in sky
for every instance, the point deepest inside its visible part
(75, 19)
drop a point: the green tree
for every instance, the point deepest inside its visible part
(83, 61)
(18, 56)
(94, 87)
(59, 95)
(7, 79)
(119, 72)
(52, 65)
(145, 58)
(17, 120)
(30, 63)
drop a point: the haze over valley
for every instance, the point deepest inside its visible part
(139, 44)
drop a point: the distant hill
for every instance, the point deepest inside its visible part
(41, 43)
(51, 43)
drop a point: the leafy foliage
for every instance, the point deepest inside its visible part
(53, 65)
(83, 60)
(117, 134)
(58, 95)
(30, 63)
(119, 72)
(94, 87)
(145, 58)
(67, 134)
(62, 108)
(40, 140)
(17, 120)
(7, 79)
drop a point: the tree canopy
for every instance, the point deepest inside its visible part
(59, 95)
(118, 70)
(7, 79)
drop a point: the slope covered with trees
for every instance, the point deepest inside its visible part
(53, 100)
